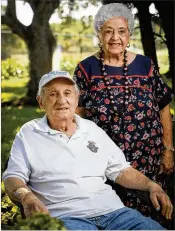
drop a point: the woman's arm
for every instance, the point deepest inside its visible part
(167, 156)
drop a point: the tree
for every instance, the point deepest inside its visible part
(38, 38)
(166, 12)
(146, 30)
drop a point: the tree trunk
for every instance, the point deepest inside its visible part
(40, 56)
(168, 26)
(146, 30)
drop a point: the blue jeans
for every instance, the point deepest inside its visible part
(122, 219)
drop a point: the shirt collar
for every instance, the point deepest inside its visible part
(42, 125)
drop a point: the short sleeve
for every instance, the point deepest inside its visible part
(18, 165)
(81, 78)
(116, 159)
(162, 92)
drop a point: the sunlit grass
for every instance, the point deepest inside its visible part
(13, 89)
(12, 119)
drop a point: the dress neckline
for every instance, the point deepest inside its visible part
(110, 66)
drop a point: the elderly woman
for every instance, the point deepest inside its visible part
(123, 93)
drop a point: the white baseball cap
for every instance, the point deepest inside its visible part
(53, 75)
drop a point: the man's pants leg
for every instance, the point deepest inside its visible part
(75, 223)
(128, 219)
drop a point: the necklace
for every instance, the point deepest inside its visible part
(114, 109)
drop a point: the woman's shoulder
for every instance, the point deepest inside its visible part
(88, 64)
(90, 59)
(140, 64)
(143, 58)
(138, 57)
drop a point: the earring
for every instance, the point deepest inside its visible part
(128, 45)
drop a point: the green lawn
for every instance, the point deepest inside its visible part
(14, 88)
(12, 119)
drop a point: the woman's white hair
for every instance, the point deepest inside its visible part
(111, 10)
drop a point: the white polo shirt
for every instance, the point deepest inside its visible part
(68, 175)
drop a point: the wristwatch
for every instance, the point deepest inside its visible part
(169, 148)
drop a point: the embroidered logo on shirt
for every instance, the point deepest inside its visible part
(92, 146)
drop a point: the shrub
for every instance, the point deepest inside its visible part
(10, 69)
(9, 211)
(40, 221)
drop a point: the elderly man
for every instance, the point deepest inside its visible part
(59, 165)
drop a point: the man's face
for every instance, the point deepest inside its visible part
(59, 99)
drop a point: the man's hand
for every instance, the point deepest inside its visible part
(167, 162)
(32, 204)
(160, 200)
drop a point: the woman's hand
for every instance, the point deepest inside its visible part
(167, 162)
(160, 200)
(32, 204)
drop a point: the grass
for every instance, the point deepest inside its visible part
(14, 88)
(12, 119)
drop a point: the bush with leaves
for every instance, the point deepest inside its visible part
(11, 217)
(10, 69)
(40, 221)
(9, 211)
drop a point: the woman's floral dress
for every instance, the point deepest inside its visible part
(136, 126)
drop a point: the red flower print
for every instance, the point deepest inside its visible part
(150, 104)
(136, 82)
(116, 127)
(131, 128)
(103, 118)
(116, 118)
(126, 145)
(148, 113)
(88, 113)
(147, 149)
(153, 151)
(140, 104)
(140, 116)
(143, 160)
(106, 101)
(134, 164)
(118, 77)
(103, 109)
(145, 136)
(127, 136)
(128, 118)
(79, 74)
(139, 144)
(121, 90)
(130, 107)
(153, 133)
(101, 85)
(142, 124)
